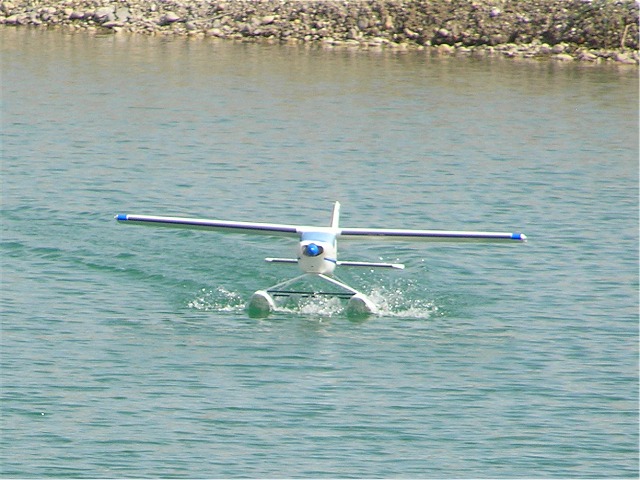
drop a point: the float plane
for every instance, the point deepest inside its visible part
(317, 252)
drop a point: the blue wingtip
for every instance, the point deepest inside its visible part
(121, 217)
(519, 236)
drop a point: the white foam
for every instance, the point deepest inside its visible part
(396, 303)
(218, 300)
(391, 302)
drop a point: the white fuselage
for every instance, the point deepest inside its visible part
(318, 251)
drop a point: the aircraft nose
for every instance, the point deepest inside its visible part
(312, 250)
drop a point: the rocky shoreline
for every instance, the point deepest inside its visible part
(594, 31)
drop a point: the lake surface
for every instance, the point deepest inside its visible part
(127, 351)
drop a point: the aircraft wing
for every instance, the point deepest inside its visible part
(204, 224)
(278, 229)
(431, 235)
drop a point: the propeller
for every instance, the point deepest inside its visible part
(312, 250)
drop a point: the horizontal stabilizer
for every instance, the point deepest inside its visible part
(281, 260)
(398, 266)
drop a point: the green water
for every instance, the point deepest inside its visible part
(127, 352)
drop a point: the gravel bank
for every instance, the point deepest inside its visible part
(563, 30)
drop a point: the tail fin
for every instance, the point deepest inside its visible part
(335, 215)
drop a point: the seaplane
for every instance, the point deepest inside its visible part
(317, 253)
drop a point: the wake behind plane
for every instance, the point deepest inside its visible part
(317, 252)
